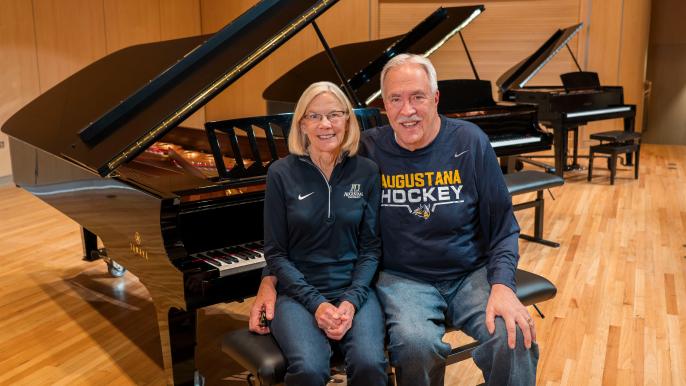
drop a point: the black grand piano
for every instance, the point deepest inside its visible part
(512, 129)
(181, 208)
(581, 98)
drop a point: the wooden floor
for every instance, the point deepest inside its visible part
(619, 317)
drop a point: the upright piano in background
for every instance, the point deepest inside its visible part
(512, 129)
(180, 208)
(581, 98)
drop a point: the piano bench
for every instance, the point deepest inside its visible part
(618, 142)
(533, 181)
(261, 356)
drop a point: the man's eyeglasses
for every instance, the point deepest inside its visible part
(333, 117)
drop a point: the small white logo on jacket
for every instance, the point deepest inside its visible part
(301, 197)
(354, 191)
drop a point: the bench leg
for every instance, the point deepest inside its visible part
(590, 165)
(538, 204)
(613, 168)
(539, 311)
(638, 154)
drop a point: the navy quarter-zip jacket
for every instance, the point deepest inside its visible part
(321, 237)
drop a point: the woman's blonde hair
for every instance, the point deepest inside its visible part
(297, 140)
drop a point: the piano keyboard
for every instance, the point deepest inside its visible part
(609, 110)
(511, 141)
(235, 259)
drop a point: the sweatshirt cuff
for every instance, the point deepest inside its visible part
(313, 305)
(499, 277)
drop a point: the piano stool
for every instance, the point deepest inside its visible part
(533, 181)
(618, 142)
(261, 356)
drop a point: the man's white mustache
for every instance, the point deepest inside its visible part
(411, 119)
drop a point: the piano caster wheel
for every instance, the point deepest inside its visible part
(115, 269)
(198, 379)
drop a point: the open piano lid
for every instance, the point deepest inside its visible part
(113, 109)
(365, 60)
(519, 74)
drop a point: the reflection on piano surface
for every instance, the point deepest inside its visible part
(580, 100)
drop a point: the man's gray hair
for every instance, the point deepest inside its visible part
(411, 58)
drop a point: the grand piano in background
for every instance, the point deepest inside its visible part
(512, 129)
(580, 100)
(180, 208)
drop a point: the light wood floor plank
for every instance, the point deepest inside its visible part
(619, 317)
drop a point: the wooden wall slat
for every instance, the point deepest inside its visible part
(18, 71)
(634, 52)
(131, 22)
(70, 34)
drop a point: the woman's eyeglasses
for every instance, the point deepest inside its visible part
(333, 117)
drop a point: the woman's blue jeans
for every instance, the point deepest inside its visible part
(416, 316)
(308, 350)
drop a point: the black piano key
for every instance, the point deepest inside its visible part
(250, 252)
(225, 259)
(213, 262)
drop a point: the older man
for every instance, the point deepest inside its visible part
(449, 239)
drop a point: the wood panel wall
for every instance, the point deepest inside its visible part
(44, 41)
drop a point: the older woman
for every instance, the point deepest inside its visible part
(322, 244)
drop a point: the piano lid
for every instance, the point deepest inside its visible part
(362, 62)
(519, 74)
(113, 109)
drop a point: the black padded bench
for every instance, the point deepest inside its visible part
(615, 143)
(261, 356)
(533, 181)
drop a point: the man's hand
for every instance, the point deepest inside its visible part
(347, 312)
(503, 302)
(264, 301)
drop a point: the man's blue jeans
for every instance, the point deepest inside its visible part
(308, 350)
(416, 314)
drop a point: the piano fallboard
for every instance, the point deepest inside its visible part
(559, 107)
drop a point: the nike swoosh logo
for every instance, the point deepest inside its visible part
(301, 197)
(457, 155)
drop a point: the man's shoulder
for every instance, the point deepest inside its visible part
(462, 125)
(465, 130)
(372, 139)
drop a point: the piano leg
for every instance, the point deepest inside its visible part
(575, 152)
(90, 245)
(178, 338)
(560, 149)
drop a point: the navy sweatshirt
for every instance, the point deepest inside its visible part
(321, 237)
(445, 209)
